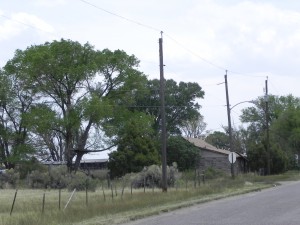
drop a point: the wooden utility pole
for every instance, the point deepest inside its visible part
(267, 130)
(163, 119)
(229, 122)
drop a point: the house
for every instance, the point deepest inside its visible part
(212, 157)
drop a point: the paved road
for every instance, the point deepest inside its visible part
(276, 206)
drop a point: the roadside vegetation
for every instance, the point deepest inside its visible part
(62, 100)
(119, 201)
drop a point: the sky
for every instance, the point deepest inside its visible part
(253, 40)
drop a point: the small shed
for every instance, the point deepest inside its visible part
(212, 157)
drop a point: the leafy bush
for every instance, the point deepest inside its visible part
(10, 178)
(80, 181)
(99, 174)
(59, 177)
(211, 173)
(38, 179)
(26, 167)
(152, 175)
(181, 151)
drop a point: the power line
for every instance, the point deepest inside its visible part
(195, 54)
(25, 24)
(143, 25)
(169, 36)
(155, 29)
(121, 17)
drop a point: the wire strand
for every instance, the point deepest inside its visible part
(121, 17)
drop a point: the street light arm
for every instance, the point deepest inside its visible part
(241, 103)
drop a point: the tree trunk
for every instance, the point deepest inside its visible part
(77, 161)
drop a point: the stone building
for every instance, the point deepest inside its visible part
(212, 157)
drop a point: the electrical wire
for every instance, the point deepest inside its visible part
(25, 24)
(171, 38)
(121, 17)
(148, 27)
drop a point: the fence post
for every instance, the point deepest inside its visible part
(43, 205)
(13, 204)
(112, 192)
(123, 188)
(59, 198)
(152, 183)
(70, 198)
(86, 192)
(116, 193)
(103, 193)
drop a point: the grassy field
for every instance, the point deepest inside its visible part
(41, 207)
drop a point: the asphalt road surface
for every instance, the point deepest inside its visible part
(279, 205)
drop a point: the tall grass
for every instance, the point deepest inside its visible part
(114, 207)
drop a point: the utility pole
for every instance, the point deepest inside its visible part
(163, 118)
(267, 129)
(229, 122)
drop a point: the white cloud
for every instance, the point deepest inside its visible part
(235, 34)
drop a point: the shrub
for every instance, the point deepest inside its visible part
(211, 173)
(80, 181)
(152, 175)
(39, 179)
(59, 177)
(99, 174)
(10, 178)
(26, 167)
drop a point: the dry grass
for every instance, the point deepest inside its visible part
(113, 208)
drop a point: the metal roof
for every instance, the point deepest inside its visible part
(204, 145)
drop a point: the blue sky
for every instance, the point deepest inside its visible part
(202, 38)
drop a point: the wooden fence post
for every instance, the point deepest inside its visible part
(59, 198)
(70, 198)
(43, 204)
(103, 193)
(112, 192)
(13, 204)
(86, 192)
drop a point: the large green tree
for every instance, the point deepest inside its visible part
(76, 88)
(193, 127)
(281, 117)
(184, 153)
(218, 139)
(180, 103)
(15, 100)
(136, 148)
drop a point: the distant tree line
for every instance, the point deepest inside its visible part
(61, 100)
(284, 132)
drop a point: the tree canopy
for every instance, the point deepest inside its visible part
(72, 90)
(283, 129)
(184, 153)
(63, 99)
(180, 100)
(136, 148)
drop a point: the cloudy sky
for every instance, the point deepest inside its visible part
(252, 39)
